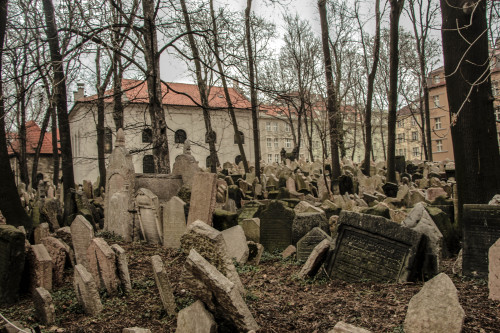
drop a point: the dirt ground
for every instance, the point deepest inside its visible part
(279, 301)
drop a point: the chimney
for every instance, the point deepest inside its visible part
(80, 92)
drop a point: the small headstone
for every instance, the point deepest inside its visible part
(163, 284)
(230, 303)
(44, 307)
(122, 266)
(305, 222)
(342, 327)
(457, 265)
(494, 271)
(102, 265)
(307, 243)
(40, 266)
(223, 219)
(40, 232)
(81, 236)
(251, 227)
(12, 256)
(255, 251)
(86, 291)
(289, 251)
(481, 230)
(276, 226)
(374, 248)
(435, 308)
(236, 243)
(203, 192)
(315, 259)
(195, 318)
(58, 253)
(174, 222)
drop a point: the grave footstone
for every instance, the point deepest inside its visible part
(122, 266)
(481, 230)
(376, 249)
(195, 318)
(164, 286)
(236, 243)
(174, 222)
(276, 226)
(86, 291)
(203, 193)
(494, 271)
(102, 265)
(44, 306)
(307, 243)
(12, 256)
(81, 236)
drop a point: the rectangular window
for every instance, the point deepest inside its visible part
(435, 100)
(416, 152)
(401, 123)
(269, 143)
(439, 145)
(495, 88)
(401, 152)
(437, 124)
(413, 121)
(414, 136)
(277, 158)
(268, 126)
(276, 143)
(288, 143)
(275, 127)
(436, 78)
(401, 137)
(287, 127)
(269, 158)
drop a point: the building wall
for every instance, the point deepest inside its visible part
(408, 137)
(45, 167)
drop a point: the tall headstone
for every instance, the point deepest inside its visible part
(203, 193)
(148, 211)
(12, 255)
(120, 183)
(163, 284)
(81, 236)
(86, 291)
(102, 265)
(481, 230)
(174, 222)
(376, 249)
(276, 226)
(186, 166)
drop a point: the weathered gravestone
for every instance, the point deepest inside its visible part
(223, 219)
(44, 307)
(102, 265)
(40, 232)
(174, 222)
(58, 253)
(163, 284)
(315, 259)
(195, 318)
(40, 267)
(86, 291)
(251, 227)
(203, 193)
(250, 210)
(276, 226)
(149, 216)
(481, 230)
(11, 263)
(494, 271)
(307, 243)
(122, 266)
(376, 249)
(186, 166)
(81, 236)
(305, 222)
(236, 243)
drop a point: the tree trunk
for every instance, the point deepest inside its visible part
(470, 100)
(333, 112)
(253, 91)
(43, 130)
(10, 205)
(55, 148)
(62, 110)
(427, 116)
(156, 112)
(396, 8)
(369, 94)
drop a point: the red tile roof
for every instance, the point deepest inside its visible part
(181, 94)
(32, 136)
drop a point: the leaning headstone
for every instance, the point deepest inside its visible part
(195, 318)
(435, 308)
(210, 243)
(102, 265)
(236, 243)
(40, 267)
(230, 303)
(40, 232)
(374, 248)
(315, 259)
(494, 271)
(12, 255)
(86, 291)
(44, 307)
(481, 230)
(305, 222)
(58, 253)
(276, 226)
(203, 193)
(122, 266)
(307, 243)
(342, 327)
(251, 227)
(174, 222)
(163, 284)
(81, 236)
(288, 252)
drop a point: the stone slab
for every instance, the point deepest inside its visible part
(276, 226)
(164, 286)
(307, 243)
(81, 236)
(203, 195)
(494, 271)
(195, 318)
(86, 291)
(174, 222)
(44, 306)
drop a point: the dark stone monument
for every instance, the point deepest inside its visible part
(223, 219)
(234, 192)
(481, 230)
(346, 184)
(416, 175)
(250, 210)
(400, 163)
(307, 243)
(305, 222)
(390, 189)
(411, 168)
(11, 263)
(376, 249)
(276, 226)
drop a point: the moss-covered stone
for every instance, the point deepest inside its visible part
(12, 255)
(378, 210)
(223, 219)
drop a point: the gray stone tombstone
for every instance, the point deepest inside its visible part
(186, 166)
(203, 194)
(12, 256)
(481, 230)
(174, 223)
(250, 210)
(307, 243)
(276, 226)
(81, 236)
(373, 248)
(305, 222)
(149, 220)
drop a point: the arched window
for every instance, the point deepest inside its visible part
(148, 164)
(242, 136)
(180, 136)
(108, 140)
(147, 135)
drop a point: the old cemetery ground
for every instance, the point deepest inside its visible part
(278, 299)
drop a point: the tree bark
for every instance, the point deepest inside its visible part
(470, 100)
(10, 204)
(396, 8)
(62, 110)
(55, 148)
(36, 158)
(333, 112)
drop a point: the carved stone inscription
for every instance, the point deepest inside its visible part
(364, 256)
(481, 230)
(275, 234)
